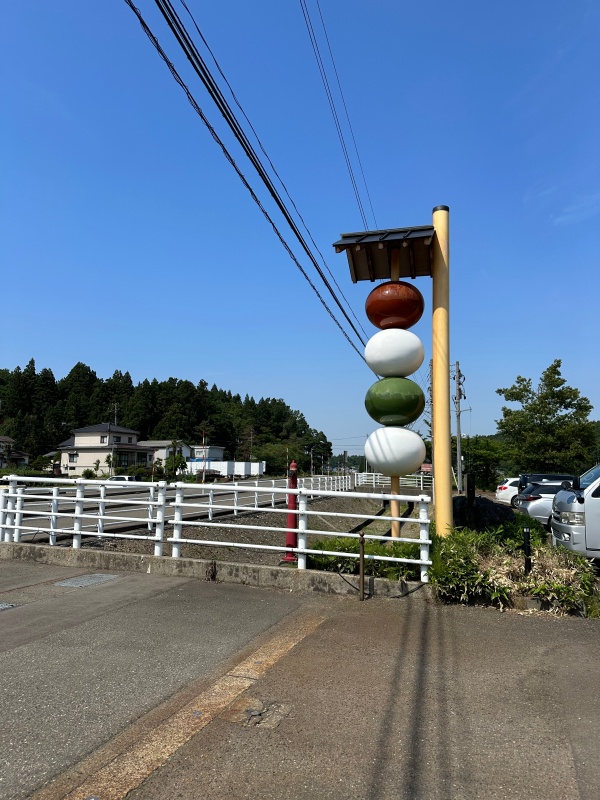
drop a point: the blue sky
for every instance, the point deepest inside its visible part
(128, 242)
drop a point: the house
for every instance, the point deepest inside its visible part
(8, 454)
(162, 448)
(211, 452)
(95, 442)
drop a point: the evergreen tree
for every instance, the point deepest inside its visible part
(550, 432)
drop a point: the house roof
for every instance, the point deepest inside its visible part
(6, 440)
(104, 427)
(162, 443)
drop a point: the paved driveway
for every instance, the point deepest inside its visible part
(164, 688)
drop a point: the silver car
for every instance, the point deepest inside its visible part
(536, 501)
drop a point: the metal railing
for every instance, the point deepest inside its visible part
(91, 508)
(418, 480)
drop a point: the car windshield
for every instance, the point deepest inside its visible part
(590, 476)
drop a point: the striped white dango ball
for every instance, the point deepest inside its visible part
(395, 451)
(394, 353)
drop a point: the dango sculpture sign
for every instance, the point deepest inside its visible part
(395, 353)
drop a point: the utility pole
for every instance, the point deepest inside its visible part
(460, 394)
(116, 407)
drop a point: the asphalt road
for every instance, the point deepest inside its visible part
(78, 665)
(174, 689)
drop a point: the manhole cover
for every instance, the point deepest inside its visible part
(6, 606)
(86, 580)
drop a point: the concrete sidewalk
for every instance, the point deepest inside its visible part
(199, 690)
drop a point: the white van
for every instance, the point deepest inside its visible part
(124, 478)
(575, 521)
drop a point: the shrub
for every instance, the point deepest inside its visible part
(88, 474)
(488, 567)
(378, 569)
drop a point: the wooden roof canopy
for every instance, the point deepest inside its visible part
(370, 252)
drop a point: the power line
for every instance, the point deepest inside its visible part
(325, 81)
(362, 172)
(229, 158)
(279, 178)
(200, 68)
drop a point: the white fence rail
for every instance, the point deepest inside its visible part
(101, 509)
(419, 480)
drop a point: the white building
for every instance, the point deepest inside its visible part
(227, 469)
(95, 442)
(162, 448)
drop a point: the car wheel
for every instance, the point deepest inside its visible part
(513, 501)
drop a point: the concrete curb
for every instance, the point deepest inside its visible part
(288, 579)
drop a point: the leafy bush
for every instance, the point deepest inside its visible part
(488, 567)
(379, 569)
(88, 474)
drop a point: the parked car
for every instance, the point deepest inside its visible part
(507, 491)
(124, 478)
(542, 478)
(536, 501)
(576, 515)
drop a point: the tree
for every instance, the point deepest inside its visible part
(175, 461)
(551, 431)
(484, 458)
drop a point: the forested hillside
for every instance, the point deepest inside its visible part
(39, 412)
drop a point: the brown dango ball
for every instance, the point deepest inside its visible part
(395, 304)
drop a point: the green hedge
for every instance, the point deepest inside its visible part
(488, 567)
(474, 567)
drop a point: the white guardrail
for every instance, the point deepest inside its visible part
(102, 509)
(418, 480)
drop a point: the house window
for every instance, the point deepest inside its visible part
(103, 439)
(73, 458)
(141, 458)
(130, 439)
(116, 439)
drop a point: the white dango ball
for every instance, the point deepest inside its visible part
(395, 451)
(394, 353)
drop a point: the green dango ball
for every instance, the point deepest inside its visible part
(395, 401)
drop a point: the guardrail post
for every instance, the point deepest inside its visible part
(53, 516)
(78, 521)
(18, 516)
(302, 520)
(361, 566)
(11, 501)
(235, 499)
(273, 495)
(101, 510)
(178, 520)
(424, 538)
(2, 514)
(160, 518)
(211, 500)
(151, 510)
(291, 537)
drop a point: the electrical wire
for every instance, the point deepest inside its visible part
(283, 186)
(317, 53)
(362, 172)
(200, 68)
(229, 158)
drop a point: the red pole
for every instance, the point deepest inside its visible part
(291, 537)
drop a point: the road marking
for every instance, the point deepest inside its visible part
(130, 768)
